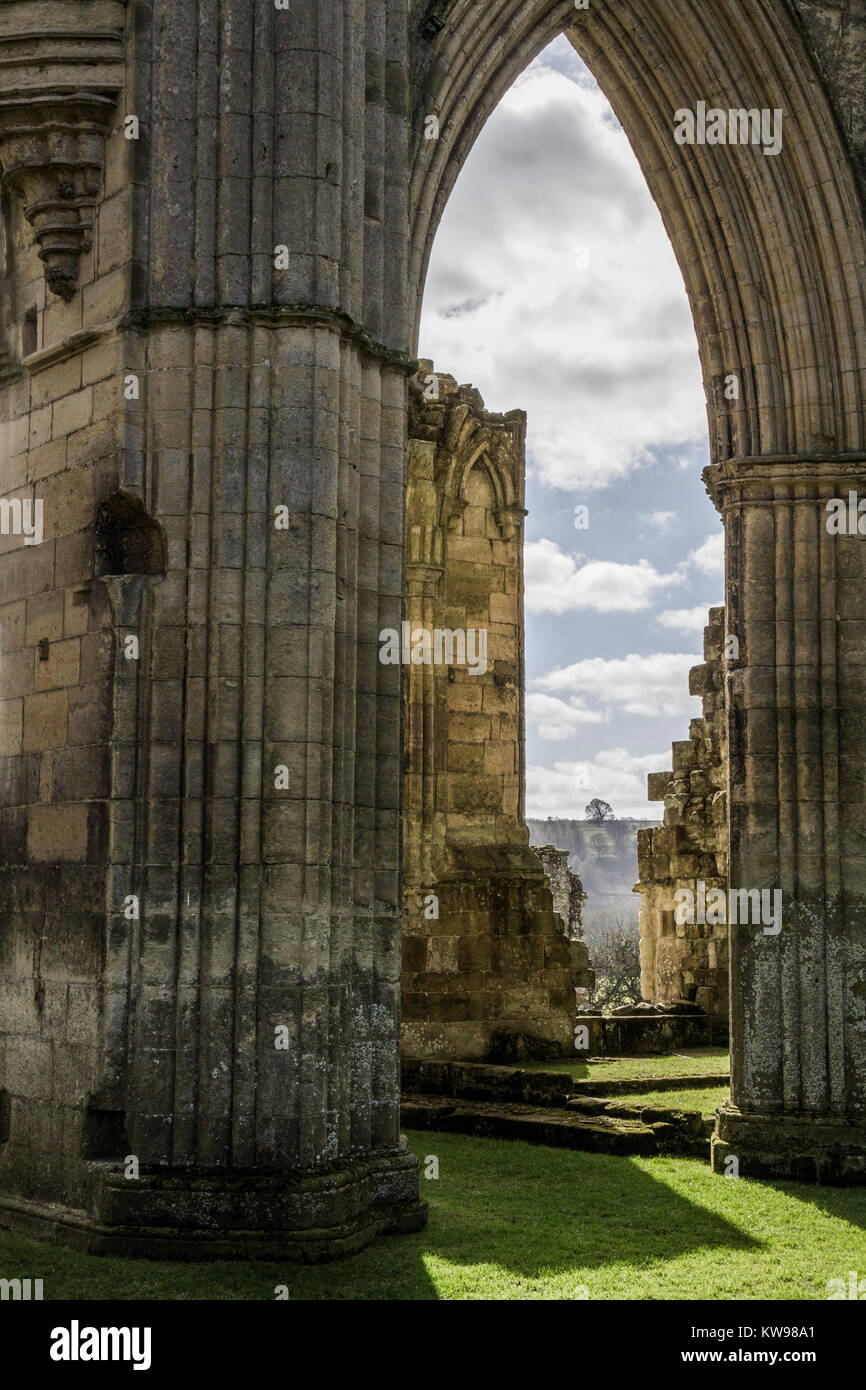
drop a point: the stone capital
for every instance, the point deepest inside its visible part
(782, 478)
(509, 519)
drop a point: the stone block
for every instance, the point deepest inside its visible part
(62, 666)
(57, 834)
(45, 721)
(11, 716)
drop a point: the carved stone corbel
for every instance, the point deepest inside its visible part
(52, 149)
(58, 93)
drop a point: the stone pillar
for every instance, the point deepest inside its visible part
(796, 707)
(232, 827)
(489, 970)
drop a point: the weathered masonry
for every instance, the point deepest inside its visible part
(216, 221)
(688, 959)
(566, 889)
(205, 385)
(489, 972)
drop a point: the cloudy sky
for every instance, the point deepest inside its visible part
(553, 288)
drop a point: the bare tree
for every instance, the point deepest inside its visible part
(615, 958)
(599, 811)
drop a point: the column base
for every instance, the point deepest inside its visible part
(219, 1215)
(805, 1147)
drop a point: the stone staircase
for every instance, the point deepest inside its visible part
(550, 1108)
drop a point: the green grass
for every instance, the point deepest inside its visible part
(698, 1061)
(695, 1098)
(512, 1221)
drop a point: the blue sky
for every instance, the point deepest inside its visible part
(553, 288)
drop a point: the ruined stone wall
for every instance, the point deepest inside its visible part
(487, 968)
(565, 887)
(679, 960)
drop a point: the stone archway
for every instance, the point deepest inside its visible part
(772, 248)
(205, 843)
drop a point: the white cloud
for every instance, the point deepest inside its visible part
(555, 583)
(555, 720)
(614, 775)
(652, 685)
(604, 359)
(710, 557)
(659, 521)
(686, 619)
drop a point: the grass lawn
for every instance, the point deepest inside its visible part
(696, 1098)
(698, 1061)
(515, 1221)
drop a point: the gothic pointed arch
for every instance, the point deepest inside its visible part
(771, 242)
(771, 248)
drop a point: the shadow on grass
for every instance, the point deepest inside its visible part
(527, 1211)
(389, 1268)
(534, 1209)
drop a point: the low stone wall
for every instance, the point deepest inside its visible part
(542, 1108)
(474, 1081)
(637, 1036)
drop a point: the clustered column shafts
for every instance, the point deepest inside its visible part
(795, 720)
(249, 1041)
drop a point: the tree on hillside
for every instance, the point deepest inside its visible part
(599, 811)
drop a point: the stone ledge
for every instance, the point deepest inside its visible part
(483, 1081)
(69, 346)
(272, 316)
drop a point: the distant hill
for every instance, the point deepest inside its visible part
(605, 857)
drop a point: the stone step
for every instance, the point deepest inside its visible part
(561, 1128)
(635, 1086)
(689, 1124)
(484, 1081)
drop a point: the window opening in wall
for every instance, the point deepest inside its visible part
(29, 333)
